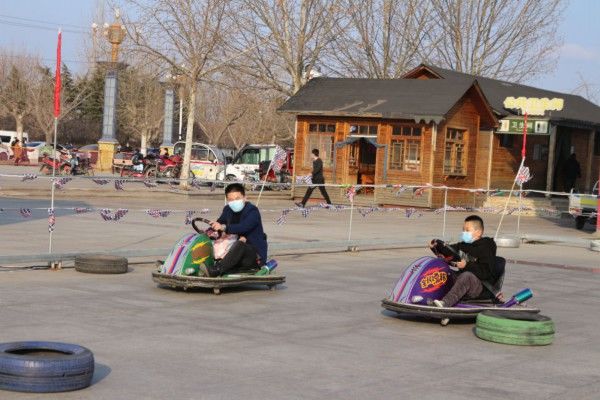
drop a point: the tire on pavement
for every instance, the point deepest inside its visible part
(45, 367)
(525, 329)
(101, 264)
(508, 241)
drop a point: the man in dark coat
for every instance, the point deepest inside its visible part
(317, 178)
(242, 218)
(572, 171)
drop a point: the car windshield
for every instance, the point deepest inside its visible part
(33, 144)
(255, 155)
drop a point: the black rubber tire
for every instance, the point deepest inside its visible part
(70, 368)
(101, 264)
(580, 222)
(525, 329)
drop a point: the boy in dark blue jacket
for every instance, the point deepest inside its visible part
(241, 218)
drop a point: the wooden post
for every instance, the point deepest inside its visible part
(489, 172)
(296, 163)
(588, 163)
(551, 151)
(598, 207)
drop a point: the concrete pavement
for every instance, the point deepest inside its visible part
(321, 335)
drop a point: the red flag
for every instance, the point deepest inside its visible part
(523, 149)
(57, 83)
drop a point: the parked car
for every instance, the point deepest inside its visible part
(6, 138)
(207, 161)
(35, 155)
(584, 207)
(249, 159)
(4, 153)
(90, 151)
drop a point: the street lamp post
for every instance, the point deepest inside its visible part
(107, 145)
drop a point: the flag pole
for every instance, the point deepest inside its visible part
(52, 182)
(263, 183)
(57, 86)
(523, 152)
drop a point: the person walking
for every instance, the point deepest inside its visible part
(572, 171)
(317, 178)
(17, 149)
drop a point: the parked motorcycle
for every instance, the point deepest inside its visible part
(164, 167)
(61, 165)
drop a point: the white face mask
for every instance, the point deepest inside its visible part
(236, 205)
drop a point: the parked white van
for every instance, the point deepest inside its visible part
(6, 138)
(207, 160)
(247, 160)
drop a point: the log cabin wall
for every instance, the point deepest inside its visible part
(507, 158)
(344, 176)
(403, 177)
(581, 141)
(595, 170)
(464, 117)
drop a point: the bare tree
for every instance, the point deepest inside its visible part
(218, 109)
(587, 89)
(41, 99)
(383, 39)
(182, 35)
(16, 77)
(141, 105)
(288, 37)
(504, 39)
(260, 123)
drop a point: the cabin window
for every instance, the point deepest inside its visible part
(363, 130)
(455, 152)
(320, 136)
(405, 149)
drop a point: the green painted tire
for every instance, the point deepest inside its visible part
(525, 329)
(522, 323)
(514, 339)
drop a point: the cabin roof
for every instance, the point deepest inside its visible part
(577, 110)
(415, 99)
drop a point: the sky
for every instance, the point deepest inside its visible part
(31, 25)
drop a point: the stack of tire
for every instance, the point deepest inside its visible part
(45, 367)
(101, 264)
(524, 329)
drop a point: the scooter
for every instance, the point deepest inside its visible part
(61, 165)
(131, 172)
(180, 269)
(430, 278)
(164, 167)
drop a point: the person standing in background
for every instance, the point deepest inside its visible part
(317, 178)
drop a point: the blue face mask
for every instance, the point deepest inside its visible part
(236, 205)
(466, 237)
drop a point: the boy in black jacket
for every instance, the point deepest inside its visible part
(242, 218)
(477, 268)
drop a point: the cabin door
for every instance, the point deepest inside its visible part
(361, 163)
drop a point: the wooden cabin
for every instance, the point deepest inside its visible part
(550, 139)
(434, 127)
(399, 131)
